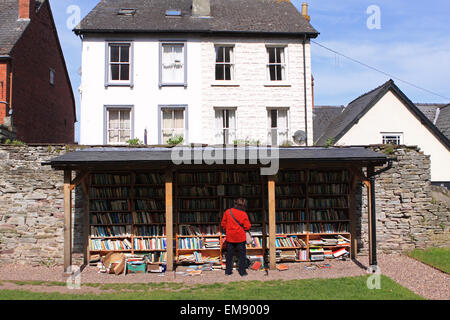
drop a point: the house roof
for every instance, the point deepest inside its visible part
(322, 117)
(443, 121)
(11, 28)
(361, 105)
(429, 109)
(100, 157)
(227, 16)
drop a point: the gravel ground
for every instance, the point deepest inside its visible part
(419, 278)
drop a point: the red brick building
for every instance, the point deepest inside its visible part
(36, 97)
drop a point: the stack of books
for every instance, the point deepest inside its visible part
(316, 254)
(212, 243)
(288, 255)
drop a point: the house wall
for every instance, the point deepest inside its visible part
(4, 88)
(42, 113)
(391, 115)
(32, 207)
(250, 92)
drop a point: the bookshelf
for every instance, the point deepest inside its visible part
(127, 214)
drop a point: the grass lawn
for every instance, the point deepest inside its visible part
(351, 288)
(436, 257)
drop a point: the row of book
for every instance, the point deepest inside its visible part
(111, 231)
(198, 243)
(193, 230)
(328, 189)
(197, 191)
(198, 217)
(106, 205)
(328, 176)
(197, 204)
(289, 242)
(252, 203)
(110, 179)
(318, 203)
(109, 245)
(293, 203)
(288, 190)
(290, 215)
(197, 178)
(255, 216)
(242, 190)
(149, 217)
(327, 215)
(109, 192)
(145, 192)
(328, 227)
(149, 205)
(149, 178)
(150, 244)
(150, 231)
(240, 177)
(291, 228)
(291, 176)
(257, 243)
(197, 257)
(157, 257)
(109, 218)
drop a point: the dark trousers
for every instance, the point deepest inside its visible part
(242, 257)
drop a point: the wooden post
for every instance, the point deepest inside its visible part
(370, 212)
(353, 216)
(169, 219)
(67, 221)
(272, 222)
(86, 223)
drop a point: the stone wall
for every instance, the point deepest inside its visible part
(407, 215)
(32, 213)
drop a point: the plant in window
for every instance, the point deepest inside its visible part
(135, 142)
(330, 142)
(286, 143)
(175, 140)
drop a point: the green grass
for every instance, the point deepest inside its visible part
(436, 257)
(351, 288)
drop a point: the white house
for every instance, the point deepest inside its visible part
(211, 71)
(385, 115)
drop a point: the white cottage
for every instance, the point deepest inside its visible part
(209, 71)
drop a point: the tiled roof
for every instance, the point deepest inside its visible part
(249, 16)
(322, 117)
(443, 121)
(11, 28)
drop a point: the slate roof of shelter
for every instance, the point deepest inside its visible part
(132, 156)
(443, 121)
(361, 105)
(227, 16)
(322, 117)
(11, 27)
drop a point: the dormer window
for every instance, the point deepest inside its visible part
(127, 12)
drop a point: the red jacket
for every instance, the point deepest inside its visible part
(234, 231)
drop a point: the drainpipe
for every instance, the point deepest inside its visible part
(304, 86)
(373, 219)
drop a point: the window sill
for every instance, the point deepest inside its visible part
(225, 83)
(173, 85)
(277, 84)
(119, 85)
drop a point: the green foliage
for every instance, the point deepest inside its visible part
(388, 149)
(330, 142)
(287, 143)
(246, 142)
(14, 142)
(135, 142)
(175, 140)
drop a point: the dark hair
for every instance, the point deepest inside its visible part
(240, 203)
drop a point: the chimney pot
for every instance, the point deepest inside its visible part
(201, 8)
(25, 8)
(305, 11)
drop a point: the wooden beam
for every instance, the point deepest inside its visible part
(272, 222)
(169, 219)
(79, 179)
(353, 216)
(67, 221)
(370, 211)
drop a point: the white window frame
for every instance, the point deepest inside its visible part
(270, 129)
(108, 74)
(386, 136)
(223, 134)
(283, 64)
(161, 46)
(162, 108)
(106, 125)
(231, 63)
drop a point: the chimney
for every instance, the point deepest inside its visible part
(305, 11)
(25, 8)
(201, 8)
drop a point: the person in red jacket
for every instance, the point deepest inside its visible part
(235, 235)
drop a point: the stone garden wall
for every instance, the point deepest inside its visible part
(32, 213)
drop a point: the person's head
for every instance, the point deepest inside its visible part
(240, 204)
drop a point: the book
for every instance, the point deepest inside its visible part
(282, 267)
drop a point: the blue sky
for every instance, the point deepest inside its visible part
(413, 44)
